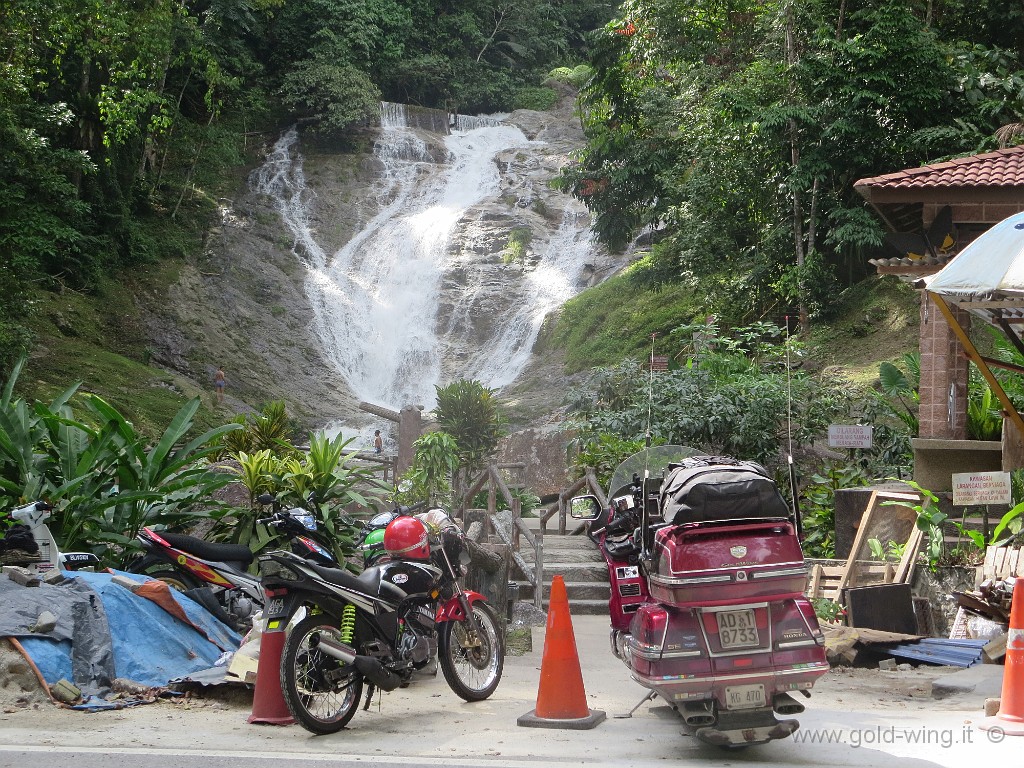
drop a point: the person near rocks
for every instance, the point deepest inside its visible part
(218, 384)
(378, 442)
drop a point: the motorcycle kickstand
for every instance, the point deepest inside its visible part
(650, 695)
(370, 690)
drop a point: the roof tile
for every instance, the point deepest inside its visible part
(1001, 168)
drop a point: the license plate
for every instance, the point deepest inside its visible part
(737, 629)
(744, 697)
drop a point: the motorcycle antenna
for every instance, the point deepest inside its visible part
(647, 454)
(789, 435)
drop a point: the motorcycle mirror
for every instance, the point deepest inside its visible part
(265, 498)
(584, 508)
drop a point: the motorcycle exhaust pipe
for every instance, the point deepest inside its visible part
(785, 704)
(368, 666)
(698, 714)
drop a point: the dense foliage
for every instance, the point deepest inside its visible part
(104, 479)
(734, 132)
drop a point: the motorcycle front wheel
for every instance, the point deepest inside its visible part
(321, 692)
(472, 667)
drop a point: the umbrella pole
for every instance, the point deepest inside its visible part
(978, 360)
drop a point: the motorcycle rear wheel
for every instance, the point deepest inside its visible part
(320, 704)
(167, 573)
(473, 672)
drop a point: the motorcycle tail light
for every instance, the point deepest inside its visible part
(651, 623)
(795, 624)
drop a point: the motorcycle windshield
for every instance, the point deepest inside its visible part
(653, 460)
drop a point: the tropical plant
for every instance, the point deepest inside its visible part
(434, 464)
(890, 551)
(270, 429)
(104, 481)
(165, 484)
(323, 480)
(818, 505)
(469, 412)
(902, 384)
(984, 413)
(603, 452)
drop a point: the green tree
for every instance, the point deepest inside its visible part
(330, 97)
(469, 412)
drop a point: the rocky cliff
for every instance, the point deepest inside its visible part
(244, 303)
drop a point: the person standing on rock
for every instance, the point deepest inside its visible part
(218, 384)
(378, 442)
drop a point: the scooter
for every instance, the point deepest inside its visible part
(707, 577)
(216, 575)
(34, 516)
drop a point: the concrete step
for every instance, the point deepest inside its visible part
(581, 590)
(562, 542)
(577, 572)
(564, 556)
(584, 607)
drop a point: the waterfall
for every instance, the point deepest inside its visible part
(375, 301)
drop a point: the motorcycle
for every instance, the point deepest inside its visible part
(216, 575)
(707, 578)
(380, 627)
(34, 516)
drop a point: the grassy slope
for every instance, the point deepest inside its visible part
(873, 321)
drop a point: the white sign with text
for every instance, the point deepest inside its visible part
(849, 436)
(981, 488)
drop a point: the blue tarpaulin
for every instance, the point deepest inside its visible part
(105, 631)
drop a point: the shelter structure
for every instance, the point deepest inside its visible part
(933, 213)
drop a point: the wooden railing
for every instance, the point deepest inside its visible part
(493, 481)
(586, 484)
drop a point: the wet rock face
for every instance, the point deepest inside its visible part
(243, 305)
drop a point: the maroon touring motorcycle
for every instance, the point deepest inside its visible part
(707, 604)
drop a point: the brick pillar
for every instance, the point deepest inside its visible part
(944, 366)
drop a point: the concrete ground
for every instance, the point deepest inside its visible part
(855, 717)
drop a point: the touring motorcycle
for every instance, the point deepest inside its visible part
(215, 574)
(707, 605)
(380, 627)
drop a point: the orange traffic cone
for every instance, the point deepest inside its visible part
(268, 702)
(561, 700)
(1010, 719)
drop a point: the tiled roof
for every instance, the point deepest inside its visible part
(1002, 168)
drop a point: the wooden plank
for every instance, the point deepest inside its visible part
(873, 506)
(814, 581)
(858, 540)
(988, 568)
(905, 571)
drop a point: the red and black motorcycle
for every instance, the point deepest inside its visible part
(216, 574)
(378, 628)
(707, 605)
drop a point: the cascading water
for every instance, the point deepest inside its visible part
(376, 300)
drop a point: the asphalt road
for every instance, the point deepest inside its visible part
(854, 719)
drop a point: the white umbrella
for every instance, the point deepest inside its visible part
(990, 266)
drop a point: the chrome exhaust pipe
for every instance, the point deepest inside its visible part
(337, 650)
(785, 704)
(698, 714)
(368, 667)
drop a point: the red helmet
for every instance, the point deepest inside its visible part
(406, 538)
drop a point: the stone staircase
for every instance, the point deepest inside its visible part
(577, 560)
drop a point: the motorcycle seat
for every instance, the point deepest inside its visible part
(222, 553)
(368, 582)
